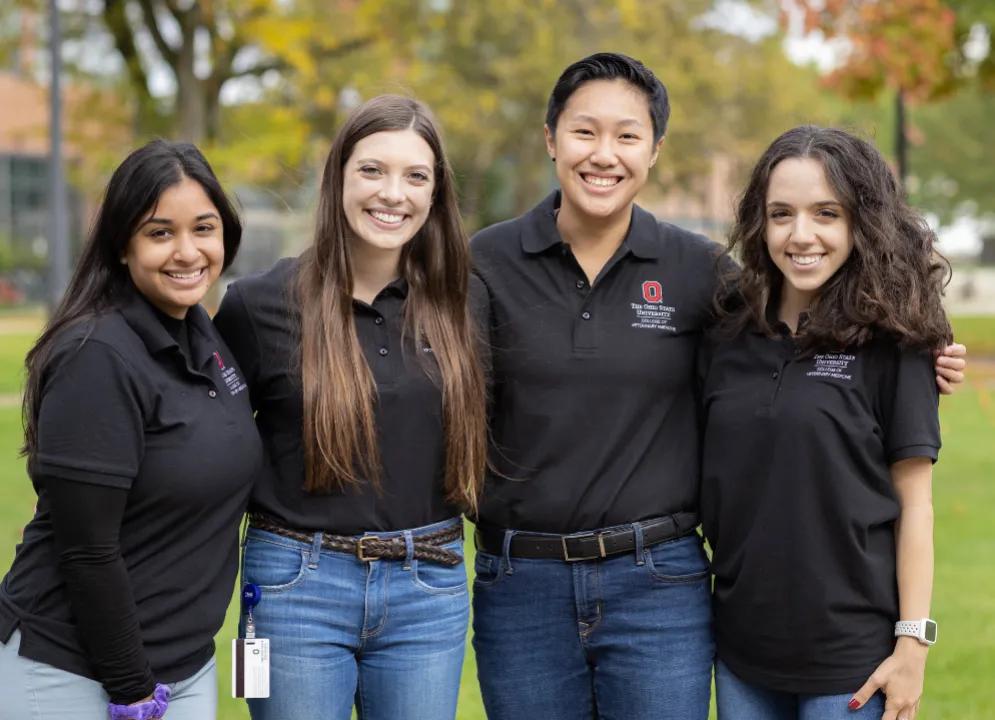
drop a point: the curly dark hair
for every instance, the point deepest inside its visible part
(892, 283)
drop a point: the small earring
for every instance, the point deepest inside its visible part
(553, 159)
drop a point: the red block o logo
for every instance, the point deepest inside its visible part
(652, 291)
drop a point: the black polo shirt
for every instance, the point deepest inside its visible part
(261, 322)
(123, 407)
(594, 414)
(798, 503)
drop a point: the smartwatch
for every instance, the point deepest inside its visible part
(922, 630)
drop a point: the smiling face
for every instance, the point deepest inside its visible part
(387, 189)
(178, 250)
(603, 147)
(808, 232)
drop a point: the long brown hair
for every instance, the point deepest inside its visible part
(892, 283)
(340, 442)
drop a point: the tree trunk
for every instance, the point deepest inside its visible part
(901, 139)
(191, 103)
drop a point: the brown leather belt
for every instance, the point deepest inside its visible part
(586, 545)
(370, 547)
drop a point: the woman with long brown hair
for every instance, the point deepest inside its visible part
(820, 434)
(363, 369)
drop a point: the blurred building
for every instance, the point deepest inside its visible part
(24, 170)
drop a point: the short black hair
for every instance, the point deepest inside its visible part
(611, 66)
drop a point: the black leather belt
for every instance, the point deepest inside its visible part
(587, 545)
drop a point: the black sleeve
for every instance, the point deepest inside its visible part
(91, 440)
(237, 330)
(86, 520)
(90, 419)
(912, 422)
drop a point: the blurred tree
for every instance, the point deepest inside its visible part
(206, 44)
(937, 56)
(955, 158)
(904, 47)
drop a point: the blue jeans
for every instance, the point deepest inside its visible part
(739, 700)
(388, 636)
(623, 638)
(31, 690)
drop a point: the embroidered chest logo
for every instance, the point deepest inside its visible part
(832, 365)
(232, 380)
(651, 313)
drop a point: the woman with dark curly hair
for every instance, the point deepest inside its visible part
(821, 429)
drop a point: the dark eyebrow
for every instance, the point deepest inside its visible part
(378, 163)
(595, 121)
(821, 203)
(167, 221)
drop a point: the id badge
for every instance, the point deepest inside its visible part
(250, 655)
(250, 668)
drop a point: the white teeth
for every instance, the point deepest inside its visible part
(185, 276)
(601, 182)
(806, 259)
(386, 217)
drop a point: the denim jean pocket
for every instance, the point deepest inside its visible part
(274, 567)
(678, 561)
(437, 579)
(486, 570)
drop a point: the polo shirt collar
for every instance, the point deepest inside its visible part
(774, 320)
(138, 312)
(541, 233)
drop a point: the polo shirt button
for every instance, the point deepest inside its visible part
(383, 351)
(580, 284)
(775, 376)
(212, 393)
(379, 320)
(586, 316)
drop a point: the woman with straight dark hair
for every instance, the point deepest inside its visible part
(821, 430)
(132, 407)
(362, 361)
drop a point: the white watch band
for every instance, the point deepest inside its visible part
(908, 627)
(922, 630)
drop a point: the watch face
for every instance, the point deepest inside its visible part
(930, 631)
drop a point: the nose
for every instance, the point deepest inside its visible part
(392, 191)
(185, 248)
(604, 154)
(804, 230)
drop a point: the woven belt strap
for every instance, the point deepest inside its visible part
(371, 547)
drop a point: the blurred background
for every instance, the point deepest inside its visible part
(262, 86)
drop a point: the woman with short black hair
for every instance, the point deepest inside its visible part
(142, 449)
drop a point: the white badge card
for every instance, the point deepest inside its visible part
(250, 668)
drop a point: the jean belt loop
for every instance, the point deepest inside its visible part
(315, 551)
(637, 530)
(506, 551)
(409, 549)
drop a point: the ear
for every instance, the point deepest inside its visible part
(656, 152)
(550, 142)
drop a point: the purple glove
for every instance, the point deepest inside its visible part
(154, 708)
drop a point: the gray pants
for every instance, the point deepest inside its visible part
(32, 690)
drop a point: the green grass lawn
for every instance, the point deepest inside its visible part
(13, 348)
(977, 332)
(958, 682)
